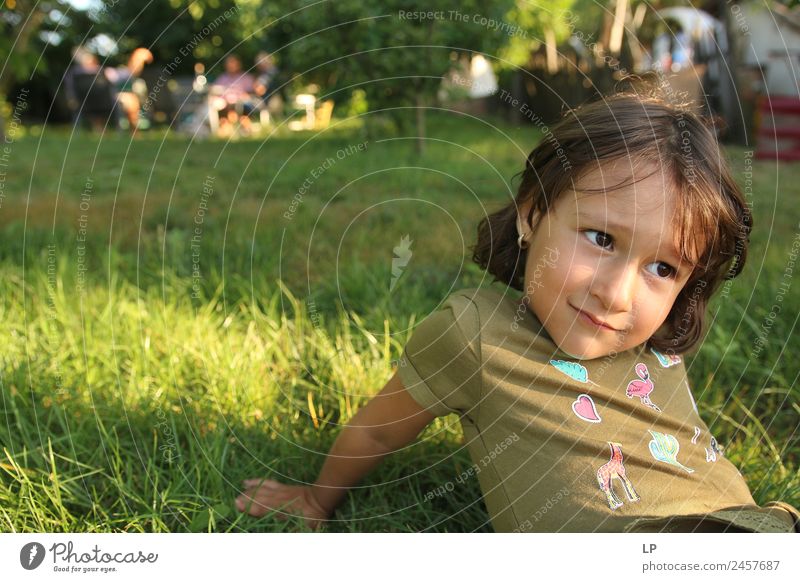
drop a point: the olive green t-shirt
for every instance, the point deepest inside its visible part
(558, 444)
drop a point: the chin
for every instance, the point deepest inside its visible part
(587, 353)
(585, 356)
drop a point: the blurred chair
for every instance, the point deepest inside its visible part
(315, 117)
(214, 103)
(245, 106)
(323, 114)
(307, 102)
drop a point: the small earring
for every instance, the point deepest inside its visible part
(522, 237)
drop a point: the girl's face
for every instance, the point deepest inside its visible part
(603, 270)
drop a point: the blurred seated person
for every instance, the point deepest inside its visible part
(266, 73)
(266, 86)
(85, 68)
(94, 94)
(232, 90)
(124, 79)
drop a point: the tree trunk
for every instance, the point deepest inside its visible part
(420, 141)
(517, 91)
(618, 28)
(551, 50)
(634, 19)
(729, 80)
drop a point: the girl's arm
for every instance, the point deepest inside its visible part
(391, 420)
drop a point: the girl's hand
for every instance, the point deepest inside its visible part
(264, 495)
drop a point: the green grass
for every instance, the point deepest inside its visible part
(130, 405)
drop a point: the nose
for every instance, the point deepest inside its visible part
(614, 284)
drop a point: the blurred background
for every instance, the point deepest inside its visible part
(78, 59)
(221, 221)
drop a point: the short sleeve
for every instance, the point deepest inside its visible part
(440, 365)
(791, 510)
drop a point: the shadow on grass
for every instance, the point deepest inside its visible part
(73, 467)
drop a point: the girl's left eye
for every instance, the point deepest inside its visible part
(663, 270)
(606, 241)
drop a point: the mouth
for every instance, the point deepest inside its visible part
(590, 319)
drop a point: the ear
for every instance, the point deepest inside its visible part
(523, 226)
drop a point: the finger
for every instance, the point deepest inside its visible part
(257, 502)
(260, 481)
(263, 493)
(244, 501)
(250, 497)
(260, 509)
(254, 507)
(281, 506)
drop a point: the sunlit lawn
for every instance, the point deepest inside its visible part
(151, 360)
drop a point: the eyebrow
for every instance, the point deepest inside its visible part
(606, 223)
(625, 228)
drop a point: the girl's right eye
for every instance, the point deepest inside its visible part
(600, 238)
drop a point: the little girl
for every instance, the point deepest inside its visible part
(573, 398)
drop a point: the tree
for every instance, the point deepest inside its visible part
(548, 27)
(396, 51)
(34, 38)
(19, 22)
(205, 29)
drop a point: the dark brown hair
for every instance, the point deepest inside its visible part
(713, 220)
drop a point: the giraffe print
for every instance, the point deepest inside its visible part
(606, 474)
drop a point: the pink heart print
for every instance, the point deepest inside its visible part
(584, 408)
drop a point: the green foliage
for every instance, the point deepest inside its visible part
(20, 43)
(533, 20)
(395, 51)
(183, 31)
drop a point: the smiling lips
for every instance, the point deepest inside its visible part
(589, 318)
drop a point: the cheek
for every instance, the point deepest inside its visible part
(557, 265)
(666, 307)
(547, 273)
(652, 309)
(574, 273)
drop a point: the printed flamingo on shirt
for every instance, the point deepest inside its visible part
(642, 388)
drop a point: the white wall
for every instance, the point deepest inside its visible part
(768, 33)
